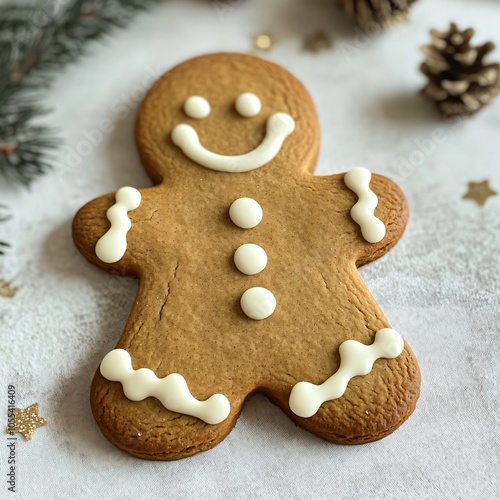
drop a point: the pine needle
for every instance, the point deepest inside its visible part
(34, 43)
(3, 218)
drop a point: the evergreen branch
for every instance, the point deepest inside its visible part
(3, 218)
(34, 42)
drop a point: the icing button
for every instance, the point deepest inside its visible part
(250, 259)
(258, 303)
(245, 213)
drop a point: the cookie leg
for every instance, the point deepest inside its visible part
(372, 407)
(361, 380)
(154, 396)
(146, 429)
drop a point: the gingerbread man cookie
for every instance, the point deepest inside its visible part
(247, 265)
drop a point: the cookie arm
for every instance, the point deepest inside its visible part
(375, 209)
(92, 222)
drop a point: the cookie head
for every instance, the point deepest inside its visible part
(228, 113)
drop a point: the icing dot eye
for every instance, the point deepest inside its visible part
(248, 105)
(197, 107)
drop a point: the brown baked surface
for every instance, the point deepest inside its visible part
(187, 317)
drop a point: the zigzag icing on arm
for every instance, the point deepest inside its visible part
(372, 228)
(172, 390)
(355, 359)
(112, 246)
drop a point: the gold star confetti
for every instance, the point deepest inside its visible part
(26, 421)
(317, 42)
(263, 41)
(479, 192)
(7, 290)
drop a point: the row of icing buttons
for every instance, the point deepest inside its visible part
(257, 302)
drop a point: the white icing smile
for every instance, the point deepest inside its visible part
(279, 127)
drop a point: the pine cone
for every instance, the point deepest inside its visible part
(377, 12)
(459, 81)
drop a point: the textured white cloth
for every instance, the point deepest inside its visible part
(439, 287)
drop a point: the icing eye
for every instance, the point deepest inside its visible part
(197, 107)
(248, 105)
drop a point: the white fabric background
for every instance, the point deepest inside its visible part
(439, 287)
